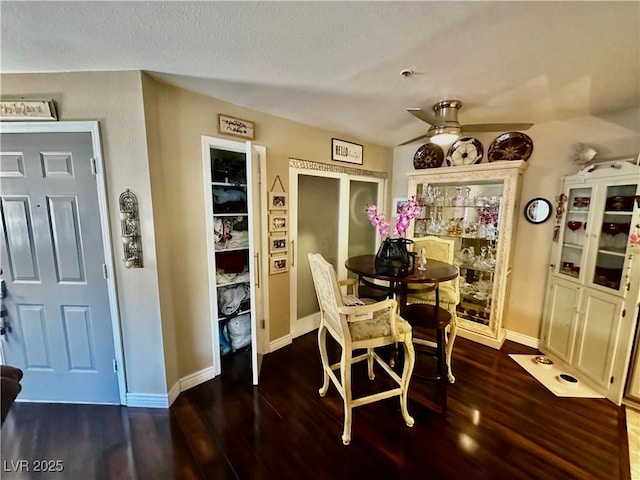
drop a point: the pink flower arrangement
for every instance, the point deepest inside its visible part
(407, 212)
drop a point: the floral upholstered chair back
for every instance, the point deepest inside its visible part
(329, 296)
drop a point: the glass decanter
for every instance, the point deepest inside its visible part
(458, 200)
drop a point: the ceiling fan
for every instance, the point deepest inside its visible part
(445, 127)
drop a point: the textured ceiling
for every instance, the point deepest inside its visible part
(336, 65)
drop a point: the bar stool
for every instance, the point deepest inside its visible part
(425, 320)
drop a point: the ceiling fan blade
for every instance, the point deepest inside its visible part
(496, 127)
(413, 140)
(430, 118)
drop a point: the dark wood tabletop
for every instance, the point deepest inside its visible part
(437, 271)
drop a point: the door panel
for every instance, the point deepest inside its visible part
(52, 260)
(562, 306)
(21, 254)
(317, 233)
(337, 229)
(361, 239)
(598, 336)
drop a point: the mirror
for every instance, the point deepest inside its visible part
(537, 210)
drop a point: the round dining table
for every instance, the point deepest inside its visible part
(366, 267)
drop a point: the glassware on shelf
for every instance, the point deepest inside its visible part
(466, 198)
(466, 256)
(458, 201)
(447, 200)
(422, 261)
(480, 262)
(574, 237)
(438, 200)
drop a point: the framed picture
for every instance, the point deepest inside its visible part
(235, 126)
(278, 244)
(342, 151)
(278, 264)
(29, 110)
(278, 222)
(277, 201)
(398, 203)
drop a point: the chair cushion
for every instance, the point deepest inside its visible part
(448, 294)
(378, 326)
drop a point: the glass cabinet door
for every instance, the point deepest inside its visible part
(613, 235)
(470, 214)
(574, 234)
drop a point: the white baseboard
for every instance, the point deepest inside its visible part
(280, 342)
(196, 378)
(174, 392)
(532, 342)
(148, 400)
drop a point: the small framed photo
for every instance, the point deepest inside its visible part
(342, 151)
(277, 201)
(278, 264)
(278, 222)
(235, 126)
(278, 244)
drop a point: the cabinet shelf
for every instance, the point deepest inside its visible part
(613, 253)
(471, 267)
(228, 184)
(573, 245)
(231, 249)
(578, 212)
(241, 214)
(618, 213)
(232, 282)
(223, 318)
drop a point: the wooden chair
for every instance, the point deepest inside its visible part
(449, 292)
(384, 328)
(426, 320)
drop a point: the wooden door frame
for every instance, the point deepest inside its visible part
(91, 127)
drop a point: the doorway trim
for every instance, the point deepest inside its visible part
(92, 128)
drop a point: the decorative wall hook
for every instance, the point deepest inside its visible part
(130, 227)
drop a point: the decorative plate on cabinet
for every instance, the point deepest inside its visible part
(510, 146)
(428, 155)
(465, 151)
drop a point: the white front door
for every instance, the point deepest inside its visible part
(58, 326)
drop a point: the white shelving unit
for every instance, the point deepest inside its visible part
(232, 192)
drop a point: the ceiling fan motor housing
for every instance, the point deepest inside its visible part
(447, 111)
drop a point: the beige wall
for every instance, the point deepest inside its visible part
(616, 135)
(114, 99)
(151, 137)
(162, 222)
(183, 117)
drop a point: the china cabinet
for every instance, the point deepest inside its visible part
(476, 205)
(232, 207)
(591, 303)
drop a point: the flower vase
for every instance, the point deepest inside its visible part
(394, 257)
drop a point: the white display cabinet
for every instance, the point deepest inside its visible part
(477, 206)
(591, 304)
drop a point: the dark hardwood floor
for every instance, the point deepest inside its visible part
(501, 424)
